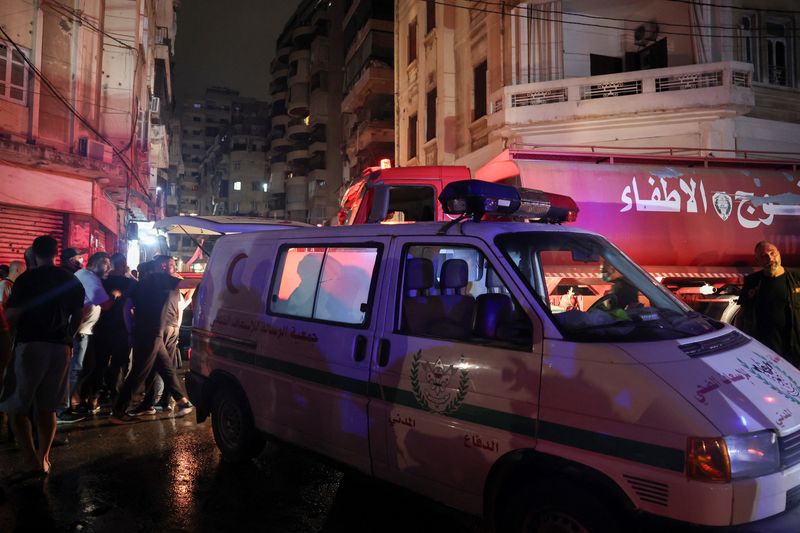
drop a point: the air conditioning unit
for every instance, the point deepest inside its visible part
(155, 104)
(95, 150)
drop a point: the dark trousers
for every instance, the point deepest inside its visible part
(149, 355)
(107, 362)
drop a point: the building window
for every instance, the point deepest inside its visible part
(430, 126)
(430, 15)
(237, 165)
(13, 74)
(265, 187)
(412, 41)
(237, 185)
(479, 91)
(412, 136)
(255, 186)
(767, 43)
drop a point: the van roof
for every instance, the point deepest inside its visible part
(223, 225)
(485, 230)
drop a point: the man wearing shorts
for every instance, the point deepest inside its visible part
(45, 308)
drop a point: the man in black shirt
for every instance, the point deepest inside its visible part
(46, 308)
(155, 307)
(770, 303)
(112, 344)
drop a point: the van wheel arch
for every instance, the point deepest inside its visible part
(521, 469)
(232, 419)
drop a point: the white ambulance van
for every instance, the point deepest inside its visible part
(430, 355)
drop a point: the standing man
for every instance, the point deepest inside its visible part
(15, 268)
(155, 304)
(770, 303)
(71, 259)
(112, 345)
(95, 301)
(45, 308)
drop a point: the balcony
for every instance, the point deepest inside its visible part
(282, 146)
(375, 77)
(297, 156)
(298, 101)
(320, 50)
(372, 132)
(641, 96)
(298, 67)
(277, 131)
(282, 54)
(319, 174)
(279, 85)
(302, 35)
(279, 69)
(281, 121)
(277, 205)
(298, 130)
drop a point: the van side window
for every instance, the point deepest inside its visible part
(453, 292)
(331, 284)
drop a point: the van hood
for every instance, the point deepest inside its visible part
(739, 389)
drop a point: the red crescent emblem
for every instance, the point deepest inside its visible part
(228, 277)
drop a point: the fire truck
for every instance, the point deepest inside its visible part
(690, 221)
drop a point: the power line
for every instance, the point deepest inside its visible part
(760, 9)
(505, 12)
(74, 111)
(75, 16)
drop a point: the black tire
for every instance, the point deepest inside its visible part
(232, 422)
(558, 507)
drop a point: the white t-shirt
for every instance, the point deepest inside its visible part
(96, 296)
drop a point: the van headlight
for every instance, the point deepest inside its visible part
(753, 454)
(721, 459)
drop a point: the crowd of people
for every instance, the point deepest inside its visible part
(78, 342)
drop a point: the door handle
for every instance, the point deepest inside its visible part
(360, 349)
(383, 352)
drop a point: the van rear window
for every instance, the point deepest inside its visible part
(330, 284)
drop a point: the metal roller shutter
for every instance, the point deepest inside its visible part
(19, 226)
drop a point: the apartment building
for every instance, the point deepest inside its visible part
(687, 77)
(368, 85)
(84, 102)
(233, 172)
(305, 137)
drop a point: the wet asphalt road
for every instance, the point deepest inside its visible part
(165, 475)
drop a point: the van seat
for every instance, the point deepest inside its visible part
(458, 309)
(419, 309)
(492, 308)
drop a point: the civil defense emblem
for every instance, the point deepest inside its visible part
(723, 204)
(773, 376)
(431, 384)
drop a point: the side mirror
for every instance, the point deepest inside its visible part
(380, 204)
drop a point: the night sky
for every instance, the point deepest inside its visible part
(227, 43)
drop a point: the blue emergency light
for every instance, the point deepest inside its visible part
(476, 198)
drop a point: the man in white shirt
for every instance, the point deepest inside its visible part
(15, 269)
(95, 301)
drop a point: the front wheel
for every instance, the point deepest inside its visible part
(234, 431)
(559, 508)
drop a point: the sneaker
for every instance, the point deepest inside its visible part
(183, 410)
(166, 406)
(123, 419)
(93, 410)
(68, 417)
(143, 411)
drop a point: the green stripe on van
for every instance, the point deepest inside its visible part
(631, 450)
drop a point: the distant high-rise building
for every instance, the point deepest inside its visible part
(305, 138)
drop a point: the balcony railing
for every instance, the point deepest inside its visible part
(706, 85)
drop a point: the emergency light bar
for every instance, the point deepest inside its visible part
(476, 198)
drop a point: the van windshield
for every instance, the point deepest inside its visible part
(595, 293)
